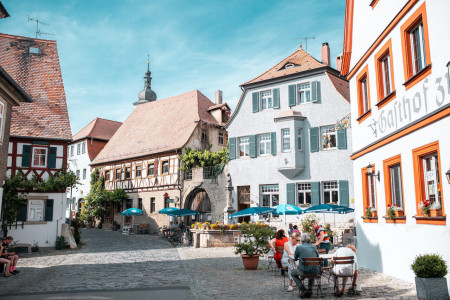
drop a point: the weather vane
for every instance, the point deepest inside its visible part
(38, 31)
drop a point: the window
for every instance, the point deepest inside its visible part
(363, 94)
(330, 192)
(299, 139)
(244, 147)
(304, 93)
(138, 171)
(371, 191)
(204, 135)
(152, 205)
(83, 150)
(107, 175)
(328, 137)
(221, 138)
(71, 150)
(127, 172)
(39, 157)
(78, 148)
(385, 75)
(393, 181)
(266, 100)
(270, 195)
(118, 177)
(428, 181)
(151, 170)
(165, 167)
(188, 174)
(35, 210)
(84, 173)
(128, 203)
(78, 174)
(286, 139)
(304, 193)
(264, 144)
(166, 202)
(140, 203)
(415, 46)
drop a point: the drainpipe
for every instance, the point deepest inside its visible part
(179, 175)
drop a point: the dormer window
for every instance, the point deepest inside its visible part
(34, 50)
(289, 66)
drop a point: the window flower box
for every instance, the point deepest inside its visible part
(399, 213)
(435, 212)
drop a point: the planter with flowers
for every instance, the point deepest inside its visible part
(371, 212)
(430, 208)
(394, 211)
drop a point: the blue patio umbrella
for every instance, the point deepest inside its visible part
(131, 212)
(329, 208)
(183, 213)
(168, 210)
(287, 209)
(251, 211)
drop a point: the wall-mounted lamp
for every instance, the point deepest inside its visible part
(448, 175)
(371, 173)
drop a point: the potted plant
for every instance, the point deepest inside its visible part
(394, 211)
(371, 213)
(424, 206)
(430, 270)
(256, 237)
(435, 209)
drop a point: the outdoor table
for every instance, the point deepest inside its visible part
(326, 256)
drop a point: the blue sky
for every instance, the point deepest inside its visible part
(207, 45)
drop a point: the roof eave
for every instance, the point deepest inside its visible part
(132, 157)
(39, 138)
(15, 86)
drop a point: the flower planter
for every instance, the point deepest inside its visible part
(435, 212)
(431, 288)
(250, 262)
(374, 214)
(399, 213)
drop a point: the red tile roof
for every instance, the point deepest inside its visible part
(99, 128)
(341, 86)
(218, 106)
(3, 11)
(158, 126)
(300, 60)
(40, 76)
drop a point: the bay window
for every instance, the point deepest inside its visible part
(286, 139)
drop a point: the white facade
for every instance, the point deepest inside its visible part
(406, 128)
(269, 175)
(79, 164)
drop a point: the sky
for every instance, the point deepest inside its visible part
(206, 45)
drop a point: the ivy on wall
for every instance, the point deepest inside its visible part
(202, 158)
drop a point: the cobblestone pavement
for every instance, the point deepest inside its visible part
(218, 273)
(108, 261)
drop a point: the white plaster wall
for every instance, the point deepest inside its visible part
(44, 234)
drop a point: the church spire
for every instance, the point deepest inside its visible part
(146, 95)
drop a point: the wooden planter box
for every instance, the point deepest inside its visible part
(399, 213)
(435, 212)
(374, 214)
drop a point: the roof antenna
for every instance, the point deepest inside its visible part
(306, 41)
(38, 31)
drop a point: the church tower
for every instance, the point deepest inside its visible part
(146, 95)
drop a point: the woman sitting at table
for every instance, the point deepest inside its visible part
(278, 241)
(288, 253)
(345, 269)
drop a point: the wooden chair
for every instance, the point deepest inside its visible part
(322, 251)
(316, 277)
(343, 260)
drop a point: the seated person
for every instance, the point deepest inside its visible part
(305, 250)
(4, 260)
(287, 259)
(278, 241)
(10, 255)
(345, 269)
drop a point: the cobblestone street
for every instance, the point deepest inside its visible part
(110, 262)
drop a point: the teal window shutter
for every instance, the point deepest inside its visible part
(273, 143)
(314, 139)
(290, 192)
(343, 192)
(276, 98)
(49, 210)
(252, 146)
(291, 90)
(232, 148)
(255, 101)
(22, 211)
(52, 158)
(315, 91)
(26, 156)
(315, 193)
(342, 139)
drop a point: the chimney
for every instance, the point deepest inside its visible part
(218, 97)
(326, 54)
(339, 62)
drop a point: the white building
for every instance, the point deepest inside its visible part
(86, 145)
(288, 137)
(396, 56)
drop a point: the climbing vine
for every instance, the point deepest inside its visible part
(202, 158)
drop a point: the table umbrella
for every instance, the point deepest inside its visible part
(287, 209)
(329, 208)
(168, 210)
(183, 212)
(131, 212)
(251, 211)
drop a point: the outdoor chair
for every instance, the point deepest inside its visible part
(270, 259)
(144, 228)
(312, 261)
(344, 260)
(126, 229)
(321, 251)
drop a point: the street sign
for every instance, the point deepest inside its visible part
(170, 200)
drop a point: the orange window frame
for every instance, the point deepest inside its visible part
(365, 192)
(373, 3)
(419, 16)
(364, 74)
(387, 163)
(419, 183)
(379, 56)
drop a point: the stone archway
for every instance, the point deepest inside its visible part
(198, 200)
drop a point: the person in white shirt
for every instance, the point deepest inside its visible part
(345, 269)
(287, 260)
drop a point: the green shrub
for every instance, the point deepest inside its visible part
(256, 236)
(61, 243)
(429, 266)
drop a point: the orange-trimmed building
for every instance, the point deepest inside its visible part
(396, 59)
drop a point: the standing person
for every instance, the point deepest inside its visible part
(305, 250)
(10, 255)
(288, 253)
(278, 241)
(322, 239)
(290, 229)
(295, 229)
(4, 260)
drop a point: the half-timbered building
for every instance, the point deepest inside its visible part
(40, 133)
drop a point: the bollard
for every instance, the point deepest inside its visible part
(196, 240)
